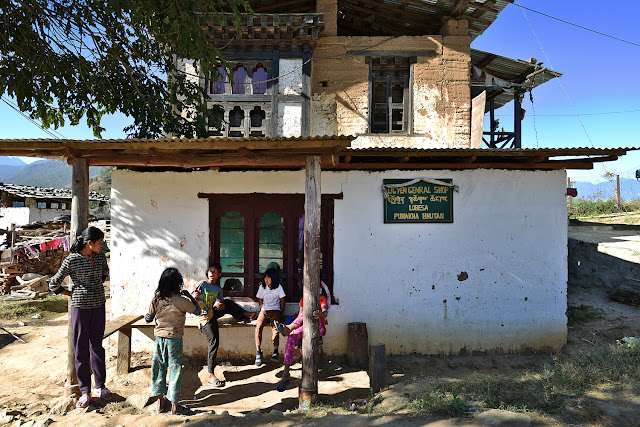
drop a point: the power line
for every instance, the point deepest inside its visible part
(582, 114)
(576, 25)
(52, 133)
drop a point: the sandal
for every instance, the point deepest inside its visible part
(215, 383)
(283, 385)
(83, 402)
(102, 393)
(160, 409)
(279, 327)
(182, 410)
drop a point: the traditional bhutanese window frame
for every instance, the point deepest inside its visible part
(267, 102)
(400, 72)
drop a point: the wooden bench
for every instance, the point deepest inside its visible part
(125, 323)
(123, 326)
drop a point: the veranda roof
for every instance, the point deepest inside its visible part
(290, 153)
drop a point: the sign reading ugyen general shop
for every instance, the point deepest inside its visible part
(418, 200)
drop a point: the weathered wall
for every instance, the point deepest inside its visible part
(27, 215)
(440, 90)
(17, 216)
(494, 280)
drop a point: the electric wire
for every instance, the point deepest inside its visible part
(579, 26)
(51, 132)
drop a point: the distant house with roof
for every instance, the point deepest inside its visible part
(24, 204)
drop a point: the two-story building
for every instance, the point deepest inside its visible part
(439, 244)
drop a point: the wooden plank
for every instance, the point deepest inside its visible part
(308, 391)
(120, 322)
(377, 367)
(477, 119)
(305, 119)
(123, 363)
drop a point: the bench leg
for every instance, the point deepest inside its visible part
(123, 362)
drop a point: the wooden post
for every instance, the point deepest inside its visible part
(123, 363)
(570, 197)
(79, 221)
(377, 367)
(618, 198)
(358, 345)
(311, 277)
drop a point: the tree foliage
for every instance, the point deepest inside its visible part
(63, 60)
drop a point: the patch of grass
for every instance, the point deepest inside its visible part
(546, 391)
(47, 307)
(582, 314)
(443, 399)
(587, 369)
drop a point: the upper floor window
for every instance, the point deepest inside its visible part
(247, 78)
(391, 95)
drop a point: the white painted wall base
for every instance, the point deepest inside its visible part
(406, 281)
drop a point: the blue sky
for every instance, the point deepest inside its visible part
(599, 76)
(599, 79)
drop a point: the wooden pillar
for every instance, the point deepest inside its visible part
(618, 197)
(377, 367)
(79, 221)
(357, 345)
(517, 120)
(311, 277)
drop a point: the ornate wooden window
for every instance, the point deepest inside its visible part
(390, 95)
(253, 232)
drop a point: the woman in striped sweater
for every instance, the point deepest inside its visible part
(87, 266)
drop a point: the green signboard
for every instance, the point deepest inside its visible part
(417, 202)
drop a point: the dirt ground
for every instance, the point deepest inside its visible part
(32, 375)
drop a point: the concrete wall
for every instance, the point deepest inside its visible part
(494, 280)
(27, 215)
(17, 216)
(440, 90)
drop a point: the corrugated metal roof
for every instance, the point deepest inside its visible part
(573, 151)
(185, 140)
(47, 193)
(512, 70)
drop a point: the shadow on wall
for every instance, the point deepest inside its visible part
(137, 238)
(588, 267)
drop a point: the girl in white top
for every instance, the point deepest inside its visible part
(271, 298)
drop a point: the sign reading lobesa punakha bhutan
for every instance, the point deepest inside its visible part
(417, 201)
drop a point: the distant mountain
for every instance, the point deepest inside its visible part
(629, 189)
(46, 173)
(9, 166)
(11, 161)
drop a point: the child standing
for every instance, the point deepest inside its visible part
(293, 332)
(168, 307)
(87, 266)
(271, 298)
(210, 299)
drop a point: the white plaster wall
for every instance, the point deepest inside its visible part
(406, 281)
(289, 119)
(17, 216)
(290, 82)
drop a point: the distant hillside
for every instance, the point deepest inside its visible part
(9, 166)
(629, 189)
(46, 173)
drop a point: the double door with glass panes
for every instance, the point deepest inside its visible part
(254, 232)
